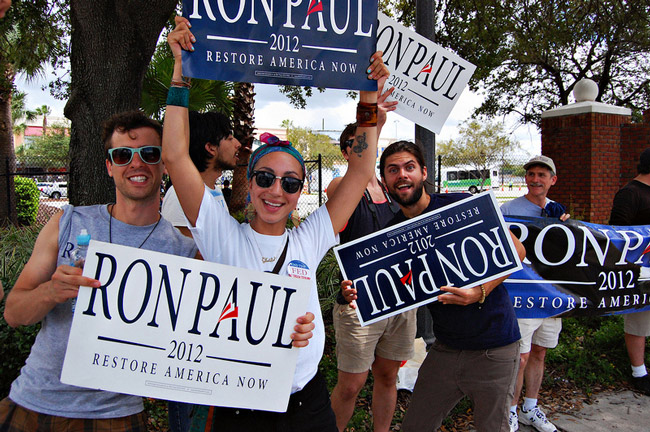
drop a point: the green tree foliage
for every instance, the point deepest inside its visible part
(47, 151)
(44, 111)
(19, 111)
(16, 245)
(400, 10)
(27, 195)
(480, 147)
(310, 144)
(530, 54)
(31, 34)
(205, 95)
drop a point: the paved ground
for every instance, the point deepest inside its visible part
(612, 411)
(622, 410)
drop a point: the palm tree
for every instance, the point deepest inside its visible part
(205, 95)
(20, 112)
(31, 34)
(44, 111)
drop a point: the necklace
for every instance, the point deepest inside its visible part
(110, 223)
(271, 258)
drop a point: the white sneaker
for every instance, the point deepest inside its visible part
(537, 419)
(513, 422)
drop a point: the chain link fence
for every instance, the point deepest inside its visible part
(504, 177)
(48, 175)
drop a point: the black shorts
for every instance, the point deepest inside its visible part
(309, 410)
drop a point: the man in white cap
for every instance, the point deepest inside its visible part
(537, 334)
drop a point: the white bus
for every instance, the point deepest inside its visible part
(465, 178)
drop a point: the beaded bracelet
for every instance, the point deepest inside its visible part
(482, 300)
(178, 96)
(366, 114)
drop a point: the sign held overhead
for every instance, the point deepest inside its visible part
(428, 79)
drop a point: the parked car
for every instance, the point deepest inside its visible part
(53, 190)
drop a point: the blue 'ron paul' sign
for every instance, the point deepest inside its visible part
(297, 42)
(403, 266)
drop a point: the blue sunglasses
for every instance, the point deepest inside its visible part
(121, 156)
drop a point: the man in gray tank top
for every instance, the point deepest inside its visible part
(47, 286)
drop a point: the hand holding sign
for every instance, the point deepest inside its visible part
(65, 283)
(303, 330)
(383, 106)
(349, 293)
(460, 296)
(181, 38)
(377, 70)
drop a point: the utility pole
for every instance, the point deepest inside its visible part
(425, 24)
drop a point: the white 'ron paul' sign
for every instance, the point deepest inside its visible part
(180, 329)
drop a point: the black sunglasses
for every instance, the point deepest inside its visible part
(265, 179)
(121, 156)
(348, 142)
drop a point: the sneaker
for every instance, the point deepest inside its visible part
(537, 419)
(513, 421)
(642, 384)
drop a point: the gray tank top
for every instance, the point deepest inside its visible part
(38, 387)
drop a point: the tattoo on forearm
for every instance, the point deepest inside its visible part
(360, 144)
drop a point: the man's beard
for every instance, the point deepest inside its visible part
(418, 189)
(224, 165)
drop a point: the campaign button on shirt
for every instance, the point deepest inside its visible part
(298, 269)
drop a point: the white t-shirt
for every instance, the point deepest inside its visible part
(173, 212)
(222, 239)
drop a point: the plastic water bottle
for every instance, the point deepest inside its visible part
(78, 254)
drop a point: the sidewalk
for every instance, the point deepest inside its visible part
(611, 411)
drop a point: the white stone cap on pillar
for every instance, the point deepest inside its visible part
(585, 93)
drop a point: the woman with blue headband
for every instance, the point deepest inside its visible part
(276, 173)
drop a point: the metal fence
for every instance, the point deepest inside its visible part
(504, 177)
(50, 177)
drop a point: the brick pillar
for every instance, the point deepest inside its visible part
(584, 141)
(635, 137)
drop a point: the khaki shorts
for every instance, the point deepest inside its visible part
(544, 332)
(356, 346)
(637, 323)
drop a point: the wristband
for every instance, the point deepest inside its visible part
(178, 96)
(366, 114)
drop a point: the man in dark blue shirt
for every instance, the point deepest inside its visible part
(476, 353)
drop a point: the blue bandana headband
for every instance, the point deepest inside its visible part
(273, 144)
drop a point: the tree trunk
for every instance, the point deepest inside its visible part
(243, 113)
(111, 45)
(7, 157)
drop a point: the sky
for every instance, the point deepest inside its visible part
(330, 110)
